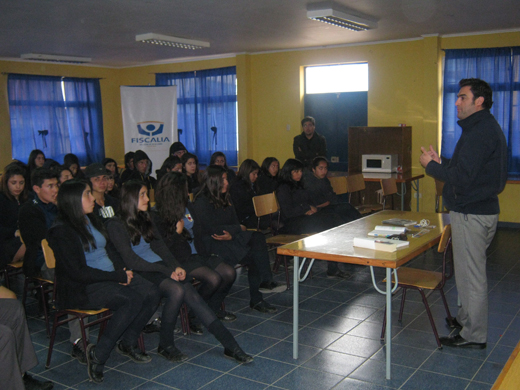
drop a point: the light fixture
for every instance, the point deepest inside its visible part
(332, 13)
(55, 58)
(166, 40)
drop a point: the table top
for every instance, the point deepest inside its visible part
(405, 177)
(337, 244)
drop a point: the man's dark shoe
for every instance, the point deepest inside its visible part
(153, 327)
(453, 323)
(263, 307)
(238, 355)
(225, 316)
(78, 352)
(196, 329)
(338, 275)
(172, 354)
(34, 384)
(134, 353)
(92, 365)
(459, 342)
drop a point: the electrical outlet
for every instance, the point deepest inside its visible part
(334, 159)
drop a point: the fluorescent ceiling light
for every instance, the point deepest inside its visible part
(54, 58)
(331, 13)
(166, 40)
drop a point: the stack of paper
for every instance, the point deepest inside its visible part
(379, 244)
(383, 231)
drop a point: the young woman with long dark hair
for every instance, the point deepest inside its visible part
(36, 160)
(71, 161)
(138, 241)
(268, 179)
(87, 278)
(190, 166)
(320, 191)
(129, 167)
(298, 211)
(175, 223)
(13, 193)
(219, 158)
(218, 231)
(242, 192)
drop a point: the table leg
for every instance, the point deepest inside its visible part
(388, 335)
(296, 302)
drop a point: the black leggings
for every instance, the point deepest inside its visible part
(176, 293)
(132, 307)
(215, 284)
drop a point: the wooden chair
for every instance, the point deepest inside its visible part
(421, 280)
(268, 205)
(11, 269)
(389, 188)
(439, 204)
(43, 288)
(339, 184)
(103, 315)
(356, 185)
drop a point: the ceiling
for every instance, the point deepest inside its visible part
(105, 30)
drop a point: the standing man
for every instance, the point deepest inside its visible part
(474, 176)
(309, 144)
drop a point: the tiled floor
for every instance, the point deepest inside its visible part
(340, 345)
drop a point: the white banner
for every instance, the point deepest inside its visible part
(150, 121)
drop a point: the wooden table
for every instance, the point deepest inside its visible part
(337, 245)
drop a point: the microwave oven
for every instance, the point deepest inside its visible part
(385, 163)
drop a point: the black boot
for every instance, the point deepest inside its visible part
(94, 366)
(231, 348)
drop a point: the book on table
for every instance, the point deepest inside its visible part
(385, 231)
(380, 244)
(399, 222)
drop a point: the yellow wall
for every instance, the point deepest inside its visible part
(404, 87)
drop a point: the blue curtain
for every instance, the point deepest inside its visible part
(41, 118)
(500, 68)
(206, 111)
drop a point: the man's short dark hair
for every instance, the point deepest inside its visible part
(479, 88)
(39, 175)
(308, 119)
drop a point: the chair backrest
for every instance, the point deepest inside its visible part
(339, 184)
(50, 260)
(190, 196)
(265, 204)
(439, 185)
(389, 186)
(356, 183)
(445, 239)
(446, 249)
(151, 195)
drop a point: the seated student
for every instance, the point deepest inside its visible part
(105, 206)
(13, 193)
(218, 231)
(171, 164)
(35, 219)
(190, 166)
(323, 196)
(298, 213)
(111, 165)
(87, 278)
(112, 187)
(268, 180)
(141, 247)
(219, 158)
(18, 355)
(36, 160)
(175, 223)
(242, 192)
(129, 167)
(71, 162)
(143, 167)
(178, 149)
(63, 174)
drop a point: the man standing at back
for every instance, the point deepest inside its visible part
(473, 177)
(309, 144)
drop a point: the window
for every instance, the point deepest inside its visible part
(336, 78)
(206, 111)
(500, 68)
(58, 115)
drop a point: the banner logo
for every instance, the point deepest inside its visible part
(150, 130)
